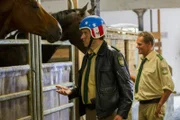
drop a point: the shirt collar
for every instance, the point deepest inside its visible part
(149, 56)
(90, 51)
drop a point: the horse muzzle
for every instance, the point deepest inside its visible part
(54, 34)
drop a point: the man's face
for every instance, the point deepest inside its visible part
(86, 35)
(143, 48)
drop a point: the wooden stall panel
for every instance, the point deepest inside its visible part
(53, 75)
(11, 84)
(61, 54)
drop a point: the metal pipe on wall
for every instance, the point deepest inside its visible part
(151, 20)
(97, 4)
(140, 14)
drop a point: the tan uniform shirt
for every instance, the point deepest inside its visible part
(155, 77)
(91, 81)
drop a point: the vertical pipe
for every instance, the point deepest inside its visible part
(73, 77)
(37, 76)
(33, 82)
(38, 80)
(97, 4)
(159, 32)
(151, 26)
(140, 13)
(30, 77)
(97, 7)
(40, 77)
(159, 20)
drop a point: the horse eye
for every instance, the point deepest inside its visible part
(35, 5)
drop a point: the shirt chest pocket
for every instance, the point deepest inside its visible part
(149, 71)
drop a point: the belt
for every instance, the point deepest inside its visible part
(90, 106)
(156, 100)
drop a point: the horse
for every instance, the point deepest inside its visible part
(28, 16)
(69, 20)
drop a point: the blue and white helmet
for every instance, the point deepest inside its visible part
(95, 24)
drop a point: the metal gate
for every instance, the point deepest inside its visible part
(28, 92)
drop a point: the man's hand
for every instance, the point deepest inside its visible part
(158, 111)
(63, 90)
(118, 117)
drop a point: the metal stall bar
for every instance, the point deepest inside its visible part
(32, 76)
(14, 95)
(45, 42)
(38, 62)
(14, 68)
(14, 42)
(56, 109)
(36, 75)
(26, 118)
(73, 78)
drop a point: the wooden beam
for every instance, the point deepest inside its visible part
(157, 35)
(158, 44)
(75, 3)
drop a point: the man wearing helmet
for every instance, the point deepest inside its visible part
(105, 89)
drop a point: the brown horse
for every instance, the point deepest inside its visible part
(28, 16)
(69, 20)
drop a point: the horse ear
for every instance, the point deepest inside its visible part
(92, 11)
(84, 9)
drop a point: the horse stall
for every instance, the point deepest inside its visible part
(28, 92)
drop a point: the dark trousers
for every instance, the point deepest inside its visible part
(91, 115)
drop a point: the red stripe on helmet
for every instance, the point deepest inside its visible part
(101, 32)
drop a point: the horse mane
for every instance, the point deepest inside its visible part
(65, 17)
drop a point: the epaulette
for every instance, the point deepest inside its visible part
(115, 48)
(159, 56)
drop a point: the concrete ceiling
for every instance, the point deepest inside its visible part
(115, 5)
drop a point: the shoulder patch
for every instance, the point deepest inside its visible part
(159, 56)
(121, 60)
(164, 70)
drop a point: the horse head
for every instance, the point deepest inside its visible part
(69, 20)
(29, 16)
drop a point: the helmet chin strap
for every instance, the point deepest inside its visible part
(91, 39)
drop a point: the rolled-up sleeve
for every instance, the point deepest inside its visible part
(165, 76)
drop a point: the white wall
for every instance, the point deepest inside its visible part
(170, 24)
(114, 17)
(171, 45)
(54, 5)
(113, 5)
